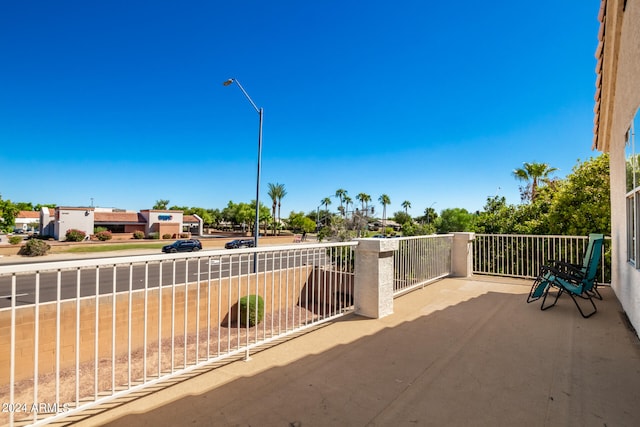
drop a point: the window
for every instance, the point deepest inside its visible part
(633, 193)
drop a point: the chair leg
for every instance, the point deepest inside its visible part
(586, 297)
(594, 291)
(546, 293)
(537, 289)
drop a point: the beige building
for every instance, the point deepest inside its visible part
(617, 120)
(56, 222)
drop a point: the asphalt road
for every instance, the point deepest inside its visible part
(89, 281)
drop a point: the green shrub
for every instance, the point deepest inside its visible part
(14, 240)
(166, 236)
(35, 247)
(138, 234)
(251, 307)
(97, 230)
(104, 235)
(74, 235)
(154, 235)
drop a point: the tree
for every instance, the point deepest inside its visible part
(455, 219)
(364, 199)
(402, 218)
(273, 194)
(8, 213)
(582, 202)
(299, 222)
(24, 206)
(326, 202)
(406, 205)
(207, 217)
(576, 205)
(384, 200)
(347, 201)
(340, 194)
(161, 205)
(281, 193)
(534, 174)
(497, 217)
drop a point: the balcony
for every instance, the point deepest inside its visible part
(455, 351)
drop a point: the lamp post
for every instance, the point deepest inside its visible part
(260, 111)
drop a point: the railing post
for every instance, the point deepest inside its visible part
(462, 254)
(373, 291)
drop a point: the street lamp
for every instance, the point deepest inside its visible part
(260, 112)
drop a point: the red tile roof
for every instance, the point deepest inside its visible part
(28, 214)
(119, 217)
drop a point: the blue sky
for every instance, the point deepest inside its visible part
(432, 102)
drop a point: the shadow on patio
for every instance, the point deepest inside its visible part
(459, 352)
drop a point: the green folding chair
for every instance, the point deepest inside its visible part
(578, 283)
(545, 278)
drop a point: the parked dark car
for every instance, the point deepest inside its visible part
(240, 243)
(183, 246)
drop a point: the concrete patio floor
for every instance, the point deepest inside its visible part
(458, 352)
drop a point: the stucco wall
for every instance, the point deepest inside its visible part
(625, 277)
(73, 218)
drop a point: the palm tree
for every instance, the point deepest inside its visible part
(276, 192)
(281, 193)
(340, 194)
(273, 193)
(533, 174)
(384, 200)
(364, 199)
(406, 205)
(347, 202)
(326, 202)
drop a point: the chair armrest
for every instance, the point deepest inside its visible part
(565, 267)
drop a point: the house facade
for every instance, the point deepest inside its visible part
(616, 122)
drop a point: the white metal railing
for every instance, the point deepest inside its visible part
(79, 333)
(524, 255)
(420, 260)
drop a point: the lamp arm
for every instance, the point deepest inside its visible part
(247, 96)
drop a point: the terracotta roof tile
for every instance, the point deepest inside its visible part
(113, 217)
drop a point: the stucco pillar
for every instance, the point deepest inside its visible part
(462, 254)
(373, 291)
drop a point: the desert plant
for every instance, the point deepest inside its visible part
(35, 247)
(184, 235)
(74, 235)
(104, 235)
(166, 236)
(138, 234)
(251, 309)
(14, 240)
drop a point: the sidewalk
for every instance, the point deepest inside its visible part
(458, 352)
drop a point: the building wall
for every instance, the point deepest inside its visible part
(72, 218)
(163, 221)
(621, 80)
